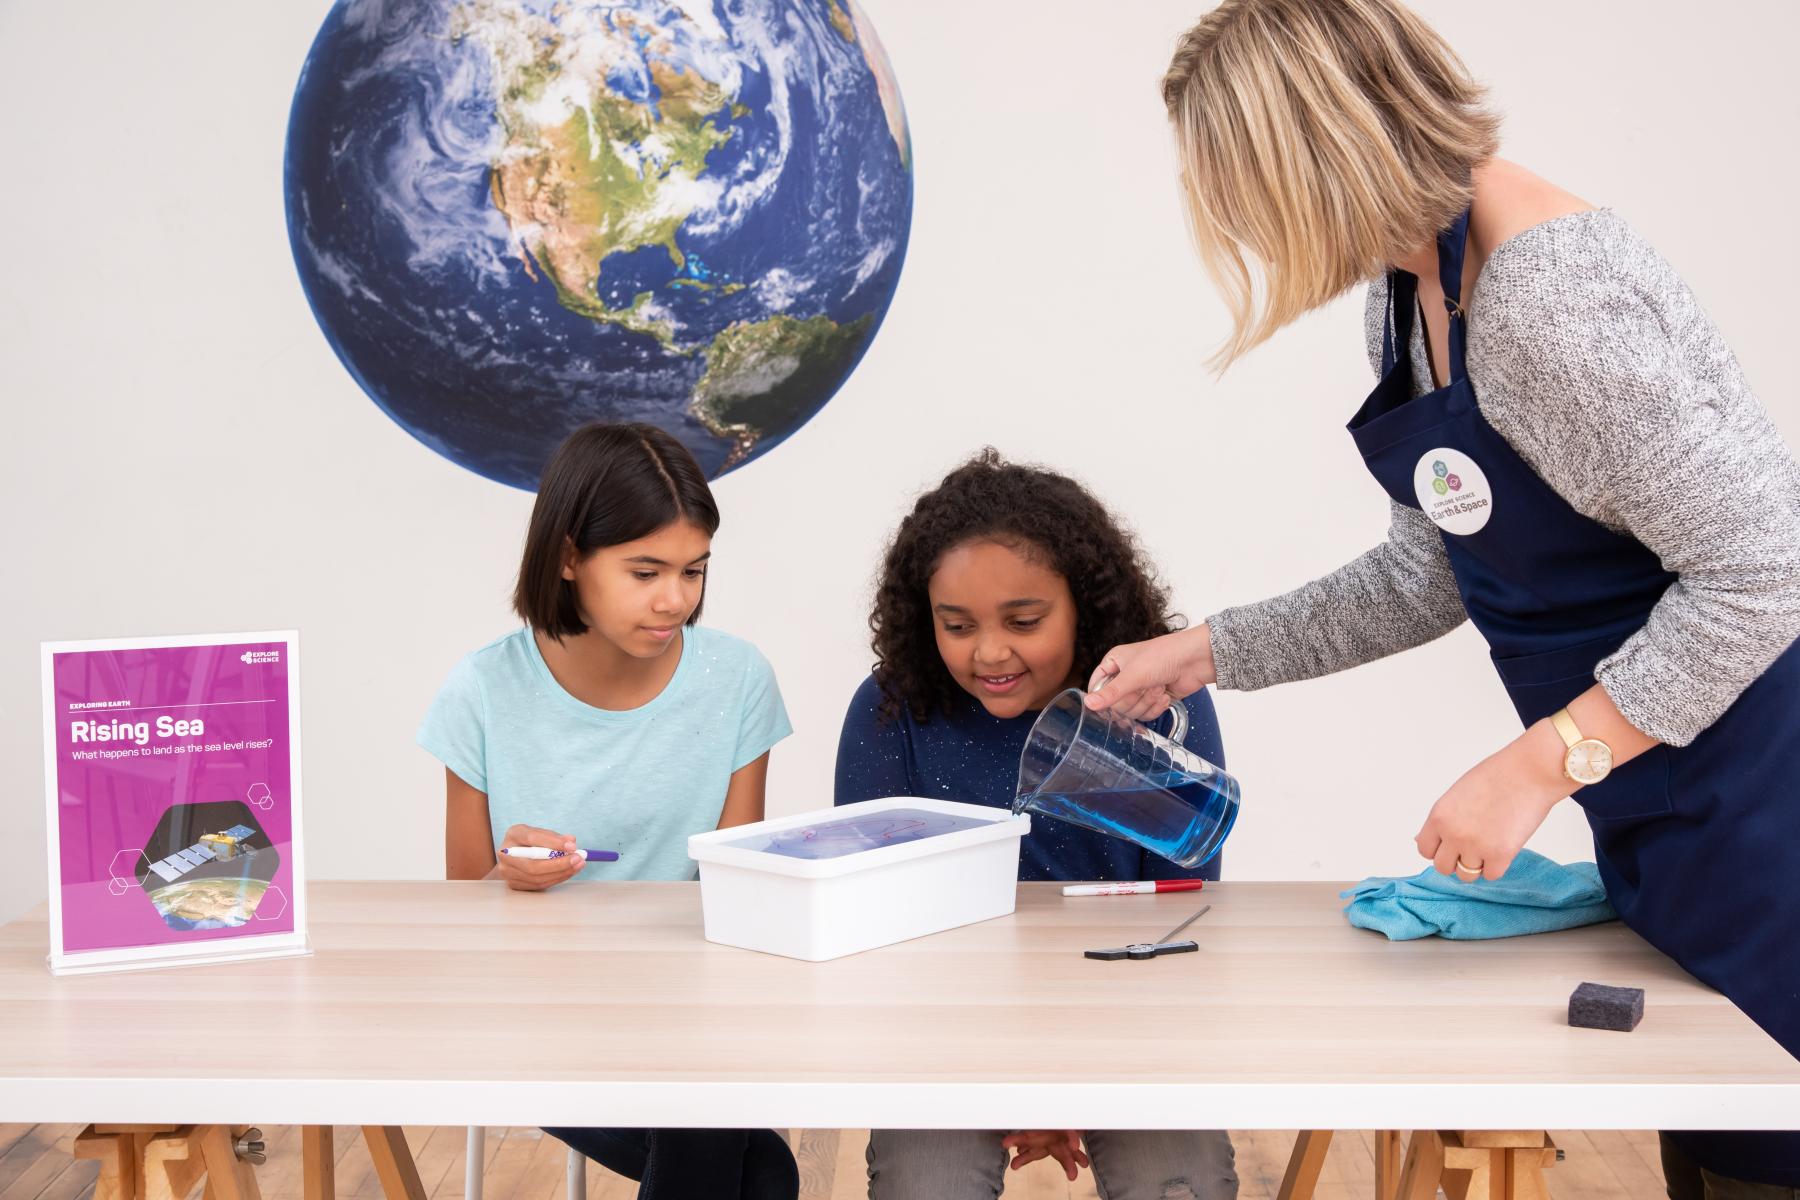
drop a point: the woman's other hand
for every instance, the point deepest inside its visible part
(1488, 815)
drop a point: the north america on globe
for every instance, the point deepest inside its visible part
(512, 218)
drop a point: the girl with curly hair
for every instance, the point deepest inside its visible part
(1003, 586)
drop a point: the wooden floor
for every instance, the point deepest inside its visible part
(37, 1163)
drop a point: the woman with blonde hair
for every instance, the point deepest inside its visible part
(1575, 463)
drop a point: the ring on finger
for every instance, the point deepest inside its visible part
(1466, 872)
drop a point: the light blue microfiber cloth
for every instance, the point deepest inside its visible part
(1534, 896)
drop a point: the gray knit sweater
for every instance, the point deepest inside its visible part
(1592, 358)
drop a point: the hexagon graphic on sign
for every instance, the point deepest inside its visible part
(122, 862)
(274, 905)
(207, 866)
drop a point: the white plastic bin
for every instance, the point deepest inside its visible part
(838, 881)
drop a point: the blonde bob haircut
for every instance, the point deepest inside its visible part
(1322, 141)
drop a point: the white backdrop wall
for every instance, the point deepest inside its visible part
(184, 453)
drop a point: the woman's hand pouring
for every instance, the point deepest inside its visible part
(1143, 679)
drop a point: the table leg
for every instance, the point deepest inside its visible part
(1387, 1163)
(318, 1163)
(575, 1176)
(1527, 1170)
(164, 1162)
(227, 1176)
(1424, 1166)
(393, 1162)
(1304, 1165)
(172, 1164)
(1465, 1183)
(118, 1158)
(1504, 1164)
(474, 1161)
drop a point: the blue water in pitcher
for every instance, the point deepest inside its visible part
(1112, 775)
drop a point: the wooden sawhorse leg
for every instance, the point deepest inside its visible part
(1506, 1164)
(1387, 1163)
(394, 1164)
(318, 1163)
(163, 1162)
(1305, 1164)
(120, 1151)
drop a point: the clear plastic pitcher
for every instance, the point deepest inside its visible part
(1110, 774)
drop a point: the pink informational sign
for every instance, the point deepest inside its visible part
(172, 774)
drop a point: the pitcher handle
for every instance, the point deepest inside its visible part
(1177, 710)
(1178, 722)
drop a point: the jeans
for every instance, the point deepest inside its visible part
(1686, 1179)
(965, 1164)
(683, 1164)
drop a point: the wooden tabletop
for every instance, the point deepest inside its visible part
(601, 1004)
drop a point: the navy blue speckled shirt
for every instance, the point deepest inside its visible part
(972, 756)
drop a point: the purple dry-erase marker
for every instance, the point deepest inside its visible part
(546, 852)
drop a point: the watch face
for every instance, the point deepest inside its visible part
(1588, 761)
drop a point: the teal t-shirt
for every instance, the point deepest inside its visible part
(640, 781)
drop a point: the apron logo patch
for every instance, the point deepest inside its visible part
(1453, 491)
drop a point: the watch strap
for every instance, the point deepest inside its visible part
(1565, 727)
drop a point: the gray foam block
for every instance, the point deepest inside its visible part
(1596, 1006)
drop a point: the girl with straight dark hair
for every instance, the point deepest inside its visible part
(613, 720)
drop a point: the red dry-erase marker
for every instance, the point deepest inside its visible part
(1134, 889)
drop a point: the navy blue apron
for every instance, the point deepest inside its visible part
(1698, 846)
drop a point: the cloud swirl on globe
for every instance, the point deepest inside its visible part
(512, 218)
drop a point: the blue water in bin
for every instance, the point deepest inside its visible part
(855, 834)
(1185, 820)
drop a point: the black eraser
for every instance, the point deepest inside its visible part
(1596, 1006)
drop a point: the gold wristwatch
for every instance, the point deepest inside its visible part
(1587, 760)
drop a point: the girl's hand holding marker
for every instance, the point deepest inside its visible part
(533, 859)
(540, 852)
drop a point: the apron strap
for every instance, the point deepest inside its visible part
(1403, 291)
(1451, 243)
(1397, 323)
